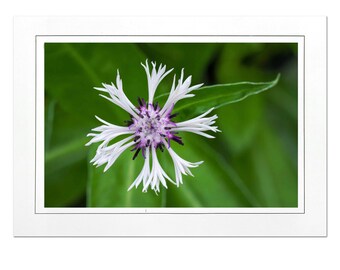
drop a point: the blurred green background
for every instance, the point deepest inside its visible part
(251, 163)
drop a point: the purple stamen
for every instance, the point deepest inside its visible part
(143, 153)
(136, 153)
(173, 115)
(151, 128)
(140, 102)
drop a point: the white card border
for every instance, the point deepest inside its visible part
(26, 29)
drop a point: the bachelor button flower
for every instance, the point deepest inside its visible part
(150, 128)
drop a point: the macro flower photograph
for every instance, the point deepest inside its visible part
(171, 125)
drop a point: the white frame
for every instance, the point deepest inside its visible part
(39, 193)
(32, 219)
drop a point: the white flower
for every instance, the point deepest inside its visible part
(150, 128)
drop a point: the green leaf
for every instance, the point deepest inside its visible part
(217, 96)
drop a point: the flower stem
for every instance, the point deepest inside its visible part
(132, 166)
(163, 199)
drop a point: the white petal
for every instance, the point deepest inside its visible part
(198, 125)
(115, 154)
(157, 175)
(181, 91)
(117, 96)
(181, 166)
(155, 77)
(145, 172)
(107, 132)
(109, 154)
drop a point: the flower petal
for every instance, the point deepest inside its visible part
(157, 175)
(181, 91)
(198, 125)
(181, 166)
(155, 77)
(145, 172)
(109, 154)
(117, 96)
(108, 132)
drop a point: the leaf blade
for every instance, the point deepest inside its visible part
(218, 95)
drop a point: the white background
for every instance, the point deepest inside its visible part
(146, 253)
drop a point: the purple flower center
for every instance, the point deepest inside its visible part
(152, 128)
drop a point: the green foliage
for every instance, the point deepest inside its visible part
(217, 96)
(251, 163)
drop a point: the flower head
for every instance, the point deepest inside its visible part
(150, 128)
